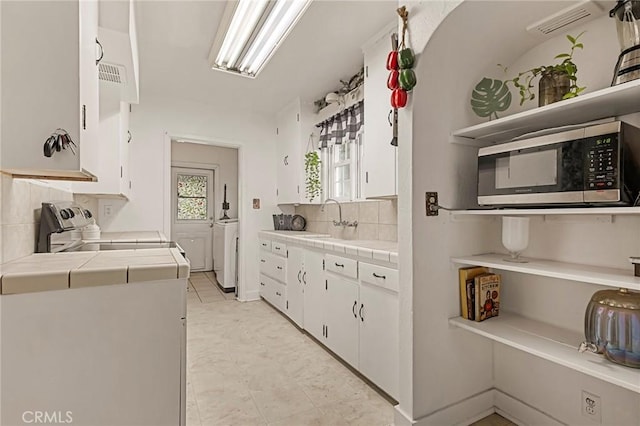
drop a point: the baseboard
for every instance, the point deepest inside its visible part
(250, 296)
(461, 413)
(521, 413)
(400, 418)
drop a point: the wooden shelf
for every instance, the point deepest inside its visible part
(551, 211)
(552, 343)
(610, 277)
(608, 102)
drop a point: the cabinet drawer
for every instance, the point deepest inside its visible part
(279, 295)
(380, 276)
(265, 263)
(265, 286)
(278, 268)
(341, 265)
(279, 248)
(265, 244)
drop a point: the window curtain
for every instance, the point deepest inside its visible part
(344, 124)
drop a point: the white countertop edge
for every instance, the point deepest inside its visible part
(342, 247)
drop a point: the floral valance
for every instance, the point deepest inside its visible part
(346, 123)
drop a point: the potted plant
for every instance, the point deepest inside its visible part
(557, 82)
(312, 174)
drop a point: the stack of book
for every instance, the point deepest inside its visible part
(479, 293)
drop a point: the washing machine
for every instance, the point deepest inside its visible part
(225, 235)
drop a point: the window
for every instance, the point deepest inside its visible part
(192, 197)
(342, 170)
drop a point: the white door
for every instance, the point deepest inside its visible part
(288, 148)
(378, 317)
(192, 205)
(314, 294)
(342, 319)
(295, 285)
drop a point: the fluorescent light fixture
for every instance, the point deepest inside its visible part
(250, 33)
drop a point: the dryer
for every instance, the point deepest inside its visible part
(225, 235)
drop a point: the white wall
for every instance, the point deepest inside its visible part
(443, 367)
(153, 123)
(226, 160)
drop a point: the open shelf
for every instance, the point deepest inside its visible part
(610, 277)
(552, 343)
(551, 211)
(608, 102)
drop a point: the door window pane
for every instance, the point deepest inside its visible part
(192, 197)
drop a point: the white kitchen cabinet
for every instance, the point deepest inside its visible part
(378, 314)
(295, 285)
(379, 157)
(314, 294)
(115, 140)
(342, 319)
(294, 126)
(119, 70)
(49, 81)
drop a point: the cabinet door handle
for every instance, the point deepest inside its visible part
(353, 308)
(84, 117)
(299, 277)
(379, 276)
(129, 137)
(262, 260)
(360, 312)
(101, 52)
(304, 277)
(339, 265)
(323, 328)
(261, 283)
(389, 118)
(286, 160)
(278, 293)
(279, 267)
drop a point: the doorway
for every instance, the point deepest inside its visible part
(192, 194)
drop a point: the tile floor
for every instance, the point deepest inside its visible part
(248, 365)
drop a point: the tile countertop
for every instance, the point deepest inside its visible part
(386, 251)
(131, 237)
(58, 271)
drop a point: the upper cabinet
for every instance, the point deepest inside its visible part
(379, 157)
(115, 140)
(49, 84)
(294, 127)
(119, 71)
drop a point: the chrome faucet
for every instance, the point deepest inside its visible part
(340, 222)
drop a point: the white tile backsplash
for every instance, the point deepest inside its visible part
(377, 220)
(21, 200)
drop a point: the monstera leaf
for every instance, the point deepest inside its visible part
(489, 97)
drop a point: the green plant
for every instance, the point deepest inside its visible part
(567, 66)
(312, 174)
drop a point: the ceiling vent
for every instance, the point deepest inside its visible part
(112, 73)
(570, 17)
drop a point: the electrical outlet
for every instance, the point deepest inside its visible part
(591, 406)
(431, 201)
(108, 210)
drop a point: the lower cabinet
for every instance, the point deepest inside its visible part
(341, 319)
(314, 293)
(378, 341)
(349, 306)
(294, 307)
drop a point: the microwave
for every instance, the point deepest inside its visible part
(591, 165)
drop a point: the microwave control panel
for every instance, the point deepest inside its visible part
(602, 163)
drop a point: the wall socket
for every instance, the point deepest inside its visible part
(108, 210)
(591, 406)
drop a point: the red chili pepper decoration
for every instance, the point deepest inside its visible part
(399, 98)
(392, 60)
(392, 81)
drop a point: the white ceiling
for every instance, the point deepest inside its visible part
(175, 38)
